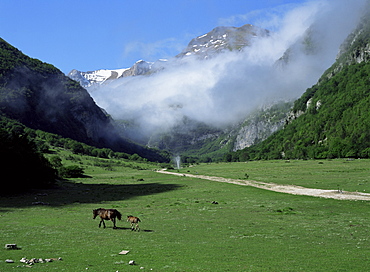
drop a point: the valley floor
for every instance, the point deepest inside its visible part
(289, 189)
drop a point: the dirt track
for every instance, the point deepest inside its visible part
(289, 189)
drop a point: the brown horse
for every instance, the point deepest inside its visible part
(134, 221)
(107, 214)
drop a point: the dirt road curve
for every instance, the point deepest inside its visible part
(289, 189)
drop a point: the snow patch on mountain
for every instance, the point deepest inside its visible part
(99, 77)
(222, 39)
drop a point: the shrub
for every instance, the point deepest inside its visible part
(72, 171)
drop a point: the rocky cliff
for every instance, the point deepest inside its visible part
(261, 124)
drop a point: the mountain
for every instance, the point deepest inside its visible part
(332, 118)
(189, 133)
(95, 78)
(223, 38)
(303, 59)
(41, 97)
(205, 46)
(197, 141)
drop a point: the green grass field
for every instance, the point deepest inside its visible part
(349, 175)
(181, 230)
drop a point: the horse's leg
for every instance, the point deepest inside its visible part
(137, 227)
(114, 222)
(100, 222)
(103, 222)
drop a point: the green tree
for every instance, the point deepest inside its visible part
(21, 161)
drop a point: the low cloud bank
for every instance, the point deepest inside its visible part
(227, 87)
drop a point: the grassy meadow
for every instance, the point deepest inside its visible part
(345, 174)
(181, 230)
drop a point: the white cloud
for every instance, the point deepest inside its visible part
(227, 87)
(270, 18)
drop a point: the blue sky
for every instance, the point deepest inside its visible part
(91, 35)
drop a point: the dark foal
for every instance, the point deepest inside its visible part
(107, 214)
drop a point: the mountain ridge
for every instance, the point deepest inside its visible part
(218, 40)
(91, 78)
(254, 128)
(41, 97)
(223, 38)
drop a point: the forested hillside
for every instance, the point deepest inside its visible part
(41, 97)
(332, 118)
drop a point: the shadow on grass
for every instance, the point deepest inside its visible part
(141, 230)
(66, 193)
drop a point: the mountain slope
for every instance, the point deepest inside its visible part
(223, 38)
(331, 119)
(41, 97)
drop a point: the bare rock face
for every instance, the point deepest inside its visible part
(355, 49)
(261, 124)
(256, 132)
(221, 39)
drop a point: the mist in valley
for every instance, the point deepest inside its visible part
(225, 88)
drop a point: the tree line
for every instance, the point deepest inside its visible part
(23, 162)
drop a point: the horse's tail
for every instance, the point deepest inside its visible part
(119, 215)
(138, 219)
